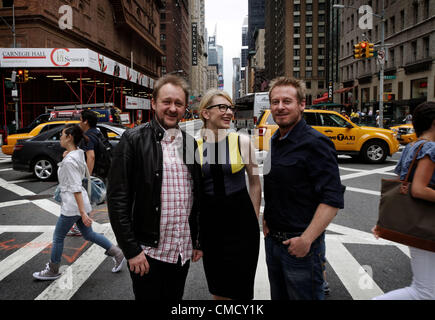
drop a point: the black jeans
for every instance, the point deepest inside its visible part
(164, 281)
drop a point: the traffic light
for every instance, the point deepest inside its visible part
(363, 49)
(26, 76)
(20, 76)
(388, 96)
(370, 50)
(357, 51)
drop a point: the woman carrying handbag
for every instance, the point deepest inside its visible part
(423, 180)
(75, 207)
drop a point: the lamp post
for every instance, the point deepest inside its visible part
(382, 63)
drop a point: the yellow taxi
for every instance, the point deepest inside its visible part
(11, 140)
(405, 133)
(371, 144)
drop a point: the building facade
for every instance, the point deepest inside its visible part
(255, 20)
(174, 37)
(409, 57)
(303, 55)
(236, 78)
(123, 32)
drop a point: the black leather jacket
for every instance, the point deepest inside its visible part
(134, 188)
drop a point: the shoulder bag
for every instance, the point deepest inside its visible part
(403, 218)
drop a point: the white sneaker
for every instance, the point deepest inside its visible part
(51, 272)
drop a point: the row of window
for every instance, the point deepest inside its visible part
(309, 63)
(309, 52)
(309, 18)
(309, 29)
(308, 41)
(308, 7)
(309, 75)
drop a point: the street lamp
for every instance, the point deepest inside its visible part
(381, 73)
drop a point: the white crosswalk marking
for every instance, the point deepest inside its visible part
(21, 256)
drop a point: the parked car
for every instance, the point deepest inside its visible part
(371, 144)
(41, 154)
(11, 140)
(405, 133)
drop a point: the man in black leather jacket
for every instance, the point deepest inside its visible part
(157, 234)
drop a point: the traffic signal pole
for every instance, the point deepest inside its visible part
(381, 73)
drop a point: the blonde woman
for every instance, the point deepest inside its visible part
(229, 213)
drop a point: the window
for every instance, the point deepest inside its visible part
(296, 63)
(414, 50)
(426, 47)
(321, 6)
(297, 7)
(162, 26)
(393, 24)
(296, 74)
(308, 84)
(415, 12)
(321, 73)
(309, 40)
(296, 52)
(400, 91)
(309, 18)
(309, 29)
(321, 85)
(426, 9)
(321, 40)
(309, 7)
(309, 63)
(297, 41)
(321, 51)
(308, 74)
(297, 19)
(163, 16)
(402, 19)
(321, 63)
(309, 52)
(321, 17)
(310, 118)
(332, 120)
(401, 56)
(321, 29)
(297, 30)
(163, 37)
(392, 58)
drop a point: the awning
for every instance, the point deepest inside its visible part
(322, 99)
(344, 90)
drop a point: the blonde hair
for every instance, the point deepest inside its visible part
(299, 85)
(207, 99)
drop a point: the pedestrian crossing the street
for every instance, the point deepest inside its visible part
(356, 278)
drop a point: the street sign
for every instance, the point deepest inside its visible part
(389, 77)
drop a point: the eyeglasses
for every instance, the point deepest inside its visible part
(223, 108)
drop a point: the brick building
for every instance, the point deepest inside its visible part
(174, 37)
(124, 35)
(410, 57)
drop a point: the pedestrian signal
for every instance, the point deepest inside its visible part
(370, 50)
(26, 76)
(389, 96)
(357, 51)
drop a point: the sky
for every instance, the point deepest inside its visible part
(228, 15)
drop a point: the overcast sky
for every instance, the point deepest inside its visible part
(228, 15)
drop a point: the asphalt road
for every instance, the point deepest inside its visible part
(359, 267)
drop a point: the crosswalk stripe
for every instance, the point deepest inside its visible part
(23, 255)
(261, 285)
(355, 279)
(76, 274)
(13, 203)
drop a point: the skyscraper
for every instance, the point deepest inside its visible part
(255, 20)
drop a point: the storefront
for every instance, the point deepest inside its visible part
(62, 76)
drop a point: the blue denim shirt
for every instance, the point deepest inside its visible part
(303, 173)
(409, 153)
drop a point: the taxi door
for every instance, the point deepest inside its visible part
(342, 133)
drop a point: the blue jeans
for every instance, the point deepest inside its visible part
(293, 278)
(62, 227)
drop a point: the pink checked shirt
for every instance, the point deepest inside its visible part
(176, 204)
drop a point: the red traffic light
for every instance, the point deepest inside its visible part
(363, 45)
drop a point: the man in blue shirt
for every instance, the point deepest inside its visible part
(303, 193)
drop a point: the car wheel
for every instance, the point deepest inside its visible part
(44, 169)
(374, 151)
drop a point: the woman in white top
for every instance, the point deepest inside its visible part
(75, 207)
